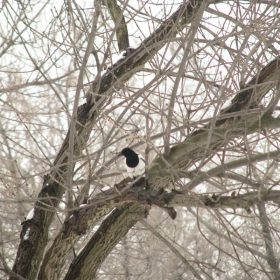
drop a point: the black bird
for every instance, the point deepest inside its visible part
(135, 163)
(135, 166)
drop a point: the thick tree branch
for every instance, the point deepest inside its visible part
(120, 24)
(87, 263)
(122, 70)
(244, 201)
(252, 93)
(189, 151)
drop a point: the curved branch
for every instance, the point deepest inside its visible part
(123, 69)
(112, 229)
(244, 201)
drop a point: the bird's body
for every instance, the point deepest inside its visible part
(135, 163)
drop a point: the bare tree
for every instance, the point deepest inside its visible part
(193, 86)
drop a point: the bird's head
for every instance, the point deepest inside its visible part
(127, 152)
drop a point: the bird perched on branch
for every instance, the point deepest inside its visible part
(135, 166)
(135, 163)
